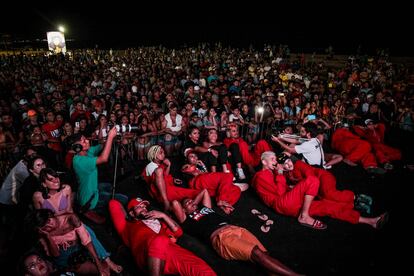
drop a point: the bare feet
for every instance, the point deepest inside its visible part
(225, 206)
(350, 163)
(113, 266)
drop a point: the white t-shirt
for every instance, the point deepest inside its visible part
(150, 168)
(311, 151)
(233, 118)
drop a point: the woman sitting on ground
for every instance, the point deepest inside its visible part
(58, 198)
(64, 238)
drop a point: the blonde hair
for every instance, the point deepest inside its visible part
(152, 152)
(267, 154)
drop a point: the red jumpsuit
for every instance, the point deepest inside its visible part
(327, 182)
(249, 158)
(144, 243)
(173, 192)
(383, 153)
(275, 193)
(353, 148)
(218, 184)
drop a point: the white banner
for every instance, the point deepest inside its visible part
(56, 42)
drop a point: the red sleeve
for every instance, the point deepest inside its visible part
(361, 132)
(304, 169)
(269, 187)
(118, 216)
(170, 233)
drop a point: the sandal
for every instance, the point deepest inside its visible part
(259, 215)
(266, 227)
(317, 225)
(383, 219)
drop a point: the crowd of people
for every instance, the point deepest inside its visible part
(233, 118)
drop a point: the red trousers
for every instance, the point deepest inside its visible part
(249, 158)
(327, 189)
(355, 150)
(218, 184)
(173, 192)
(327, 182)
(178, 261)
(385, 153)
(292, 201)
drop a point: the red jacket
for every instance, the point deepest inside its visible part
(135, 234)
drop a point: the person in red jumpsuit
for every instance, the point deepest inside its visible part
(355, 150)
(150, 235)
(327, 182)
(270, 185)
(218, 184)
(237, 146)
(161, 183)
(374, 134)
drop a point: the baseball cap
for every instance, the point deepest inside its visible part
(31, 112)
(137, 201)
(23, 102)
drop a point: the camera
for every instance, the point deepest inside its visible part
(125, 128)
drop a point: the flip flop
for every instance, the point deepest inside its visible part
(261, 216)
(382, 220)
(255, 212)
(266, 227)
(317, 225)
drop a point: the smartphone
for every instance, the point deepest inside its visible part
(76, 124)
(311, 117)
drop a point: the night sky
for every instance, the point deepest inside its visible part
(304, 28)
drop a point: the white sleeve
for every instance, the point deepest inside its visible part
(304, 147)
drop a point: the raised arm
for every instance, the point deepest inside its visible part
(118, 216)
(174, 227)
(178, 211)
(103, 157)
(283, 145)
(203, 197)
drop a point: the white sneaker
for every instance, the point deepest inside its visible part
(240, 172)
(243, 186)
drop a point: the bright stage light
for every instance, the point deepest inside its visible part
(61, 29)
